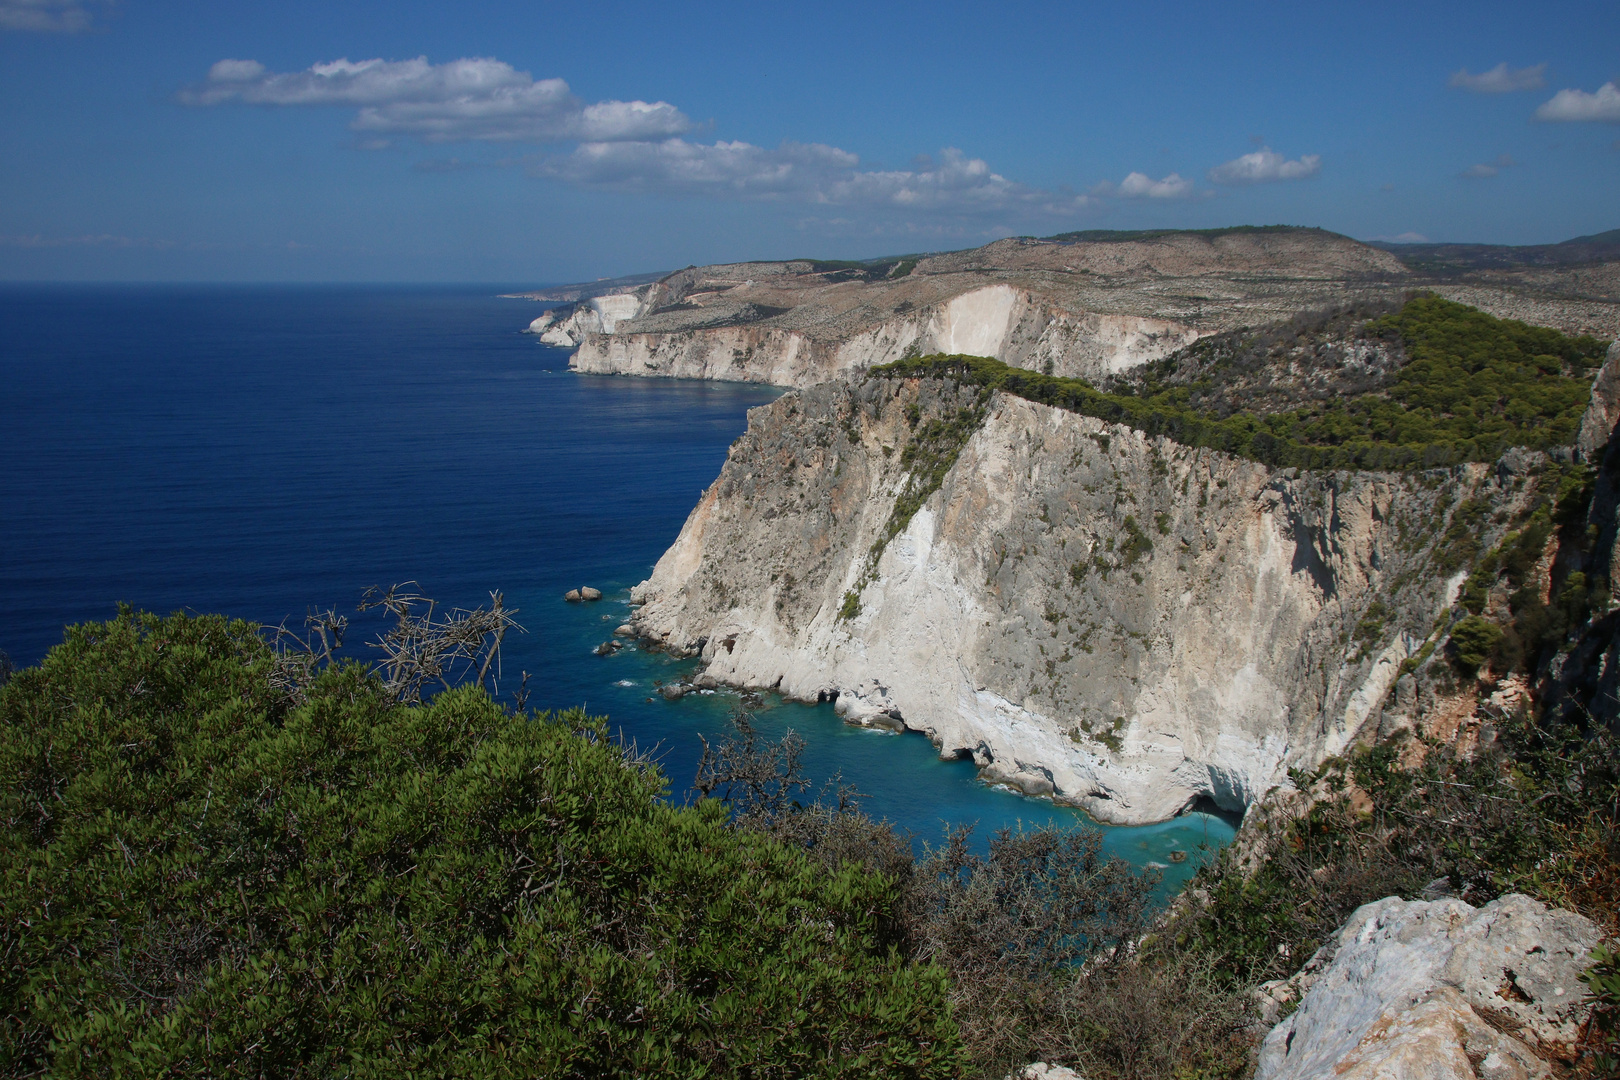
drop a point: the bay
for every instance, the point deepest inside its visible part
(259, 451)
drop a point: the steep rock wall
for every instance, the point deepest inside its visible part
(1010, 324)
(1118, 621)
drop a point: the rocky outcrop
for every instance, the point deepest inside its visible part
(1437, 990)
(1603, 414)
(1117, 621)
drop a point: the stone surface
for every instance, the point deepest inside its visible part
(588, 593)
(1439, 989)
(1604, 412)
(1040, 1070)
(1016, 620)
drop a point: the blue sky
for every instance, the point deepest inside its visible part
(536, 142)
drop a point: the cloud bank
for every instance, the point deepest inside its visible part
(1141, 186)
(1501, 79)
(1577, 105)
(469, 99)
(45, 16)
(1264, 166)
(1485, 171)
(639, 146)
(798, 172)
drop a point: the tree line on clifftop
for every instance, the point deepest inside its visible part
(1473, 386)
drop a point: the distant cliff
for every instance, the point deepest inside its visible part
(1083, 308)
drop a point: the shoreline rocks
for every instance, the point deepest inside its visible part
(583, 594)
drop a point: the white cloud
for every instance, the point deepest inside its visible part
(476, 98)
(48, 16)
(1576, 105)
(1264, 165)
(1486, 171)
(1141, 186)
(98, 240)
(1501, 79)
(800, 172)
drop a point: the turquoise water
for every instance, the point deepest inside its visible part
(256, 451)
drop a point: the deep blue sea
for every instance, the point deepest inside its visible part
(259, 450)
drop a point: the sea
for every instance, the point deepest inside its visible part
(265, 451)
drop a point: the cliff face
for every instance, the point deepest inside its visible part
(1009, 323)
(1118, 621)
(1074, 307)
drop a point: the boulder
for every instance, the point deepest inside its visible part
(588, 593)
(572, 596)
(624, 630)
(608, 648)
(1040, 1070)
(1439, 989)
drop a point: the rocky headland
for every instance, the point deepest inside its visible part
(1128, 622)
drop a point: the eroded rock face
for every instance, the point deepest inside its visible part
(1431, 989)
(1603, 414)
(1117, 621)
(1015, 325)
(1066, 306)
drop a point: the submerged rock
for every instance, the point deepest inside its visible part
(608, 648)
(1433, 988)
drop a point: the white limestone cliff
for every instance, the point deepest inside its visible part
(1001, 321)
(1114, 620)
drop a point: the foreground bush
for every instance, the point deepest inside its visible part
(198, 877)
(1039, 934)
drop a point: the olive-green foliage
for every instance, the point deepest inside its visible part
(1602, 981)
(1473, 386)
(1537, 628)
(201, 878)
(1474, 639)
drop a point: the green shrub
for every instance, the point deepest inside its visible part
(1474, 639)
(202, 878)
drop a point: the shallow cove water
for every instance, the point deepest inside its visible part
(260, 450)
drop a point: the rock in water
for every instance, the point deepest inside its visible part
(1431, 988)
(624, 630)
(588, 593)
(572, 596)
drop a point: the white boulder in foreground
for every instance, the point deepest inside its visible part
(1440, 990)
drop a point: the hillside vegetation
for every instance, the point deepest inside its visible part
(202, 874)
(1467, 386)
(199, 877)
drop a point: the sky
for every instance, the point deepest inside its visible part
(533, 142)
